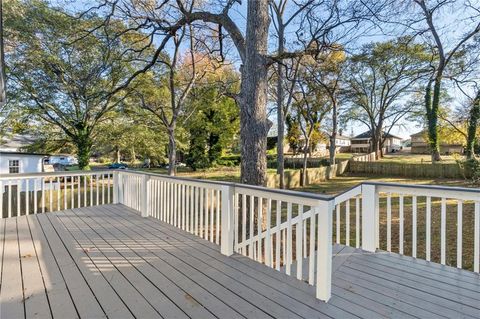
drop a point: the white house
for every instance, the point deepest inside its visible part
(20, 162)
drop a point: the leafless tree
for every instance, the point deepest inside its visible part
(179, 83)
(310, 107)
(434, 22)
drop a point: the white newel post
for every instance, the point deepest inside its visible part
(145, 195)
(369, 218)
(227, 218)
(324, 211)
(115, 188)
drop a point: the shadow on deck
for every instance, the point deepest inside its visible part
(107, 261)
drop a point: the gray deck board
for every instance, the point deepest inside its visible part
(11, 293)
(270, 286)
(108, 261)
(60, 298)
(94, 297)
(211, 281)
(243, 286)
(36, 301)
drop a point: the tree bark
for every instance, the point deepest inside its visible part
(472, 127)
(172, 152)
(84, 143)
(305, 161)
(432, 104)
(280, 115)
(253, 96)
(333, 137)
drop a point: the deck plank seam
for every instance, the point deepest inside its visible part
(216, 251)
(345, 277)
(208, 276)
(385, 262)
(463, 300)
(39, 268)
(56, 264)
(73, 262)
(113, 264)
(21, 269)
(438, 302)
(158, 288)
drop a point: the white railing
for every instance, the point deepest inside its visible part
(288, 231)
(347, 222)
(32, 193)
(435, 223)
(270, 226)
(189, 204)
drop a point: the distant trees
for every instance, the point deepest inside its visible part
(379, 79)
(316, 24)
(310, 107)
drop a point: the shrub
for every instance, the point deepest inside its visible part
(471, 169)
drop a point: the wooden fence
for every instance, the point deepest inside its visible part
(406, 169)
(314, 175)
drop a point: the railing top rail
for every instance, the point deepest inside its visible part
(427, 187)
(218, 184)
(238, 185)
(53, 174)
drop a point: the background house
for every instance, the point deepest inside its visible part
(420, 145)
(362, 143)
(342, 144)
(19, 163)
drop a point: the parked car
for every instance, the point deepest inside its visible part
(118, 166)
(179, 164)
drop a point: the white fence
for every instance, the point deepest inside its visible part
(289, 231)
(24, 194)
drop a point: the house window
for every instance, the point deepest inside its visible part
(14, 166)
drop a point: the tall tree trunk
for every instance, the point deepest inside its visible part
(172, 152)
(133, 155)
(84, 143)
(253, 96)
(432, 104)
(333, 137)
(280, 115)
(305, 161)
(118, 155)
(376, 142)
(3, 95)
(472, 127)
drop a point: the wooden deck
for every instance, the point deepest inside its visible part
(108, 261)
